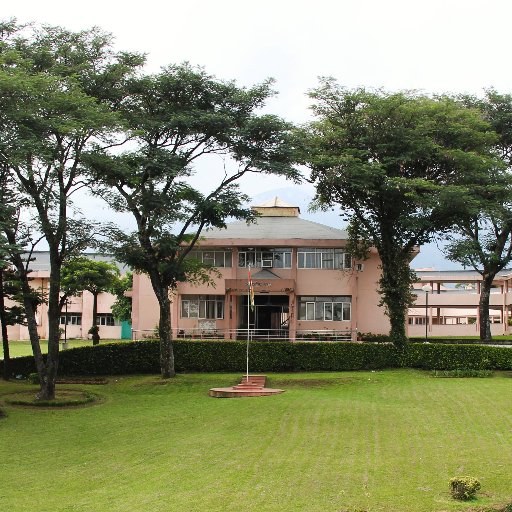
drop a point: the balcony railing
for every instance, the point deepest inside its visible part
(253, 334)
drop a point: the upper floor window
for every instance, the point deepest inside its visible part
(312, 257)
(265, 258)
(214, 257)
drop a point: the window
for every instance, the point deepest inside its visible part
(72, 319)
(311, 257)
(337, 308)
(261, 257)
(214, 257)
(418, 320)
(106, 319)
(202, 306)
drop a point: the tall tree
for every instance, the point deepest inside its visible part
(393, 162)
(176, 118)
(96, 277)
(58, 90)
(483, 234)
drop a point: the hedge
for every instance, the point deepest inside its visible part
(230, 356)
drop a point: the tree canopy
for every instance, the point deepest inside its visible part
(398, 165)
(175, 119)
(483, 232)
(94, 276)
(58, 95)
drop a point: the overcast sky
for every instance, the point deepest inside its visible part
(433, 46)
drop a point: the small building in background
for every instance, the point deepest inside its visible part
(453, 299)
(76, 317)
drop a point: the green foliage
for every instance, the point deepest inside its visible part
(229, 356)
(464, 487)
(374, 338)
(398, 166)
(83, 273)
(33, 378)
(58, 94)
(172, 120)
(483, 233)
(122, 307)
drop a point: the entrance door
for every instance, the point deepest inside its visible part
(270, 317)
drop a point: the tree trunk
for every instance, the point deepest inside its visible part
(95, 328)
(165, 333)
(47, 391)
(395, 287)
(30, 313)
(483, 308)
(5, 340)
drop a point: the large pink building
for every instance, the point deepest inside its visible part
(305, 284)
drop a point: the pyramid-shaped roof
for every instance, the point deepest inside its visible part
(276, 202)
(276, 228)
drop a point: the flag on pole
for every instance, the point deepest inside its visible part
(251, 289)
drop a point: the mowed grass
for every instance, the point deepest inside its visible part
(19, 348)
(333, 442)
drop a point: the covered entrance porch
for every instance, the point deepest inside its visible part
(270, 317)
(274, 302)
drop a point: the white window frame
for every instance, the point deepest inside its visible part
(197, 307)
(328, 309)
(318, 258)
(281, 255)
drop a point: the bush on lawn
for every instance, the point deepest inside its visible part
(464, 487)
(230, 356)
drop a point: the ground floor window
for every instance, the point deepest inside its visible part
(335, 308)
(202, 306)
(106, 319)
(419, 320)
(72, 319)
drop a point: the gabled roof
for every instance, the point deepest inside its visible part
(277, 228)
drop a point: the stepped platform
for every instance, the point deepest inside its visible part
(252, 386)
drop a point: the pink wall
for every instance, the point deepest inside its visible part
(367, 315)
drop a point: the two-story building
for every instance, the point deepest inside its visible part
(304, 283)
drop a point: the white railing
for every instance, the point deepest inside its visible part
(253, 334)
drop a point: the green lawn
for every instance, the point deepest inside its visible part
(334, 442)
(19, 348)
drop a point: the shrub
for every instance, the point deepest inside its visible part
(374, 338)
(33, 378)
(464, 487)
(275, 356)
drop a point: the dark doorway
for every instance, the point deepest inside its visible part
(270, 317)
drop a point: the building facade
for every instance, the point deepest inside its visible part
(451, 307)
(76, 317)
(305, 284)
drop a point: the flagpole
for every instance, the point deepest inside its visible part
(248, 321)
